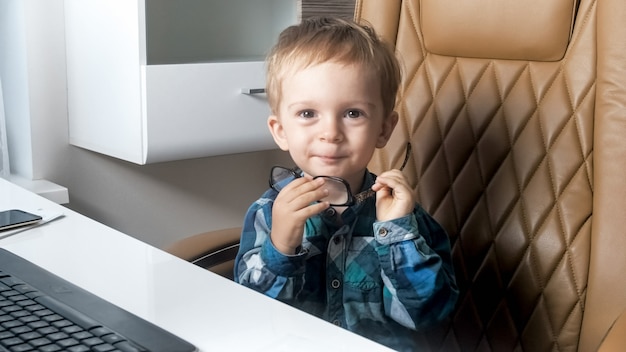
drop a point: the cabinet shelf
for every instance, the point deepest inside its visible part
(160, 80)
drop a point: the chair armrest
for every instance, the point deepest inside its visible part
(213, 250)
(615, 339)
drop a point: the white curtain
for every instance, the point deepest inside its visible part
(4, 149)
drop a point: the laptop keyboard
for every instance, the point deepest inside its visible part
(32, 321)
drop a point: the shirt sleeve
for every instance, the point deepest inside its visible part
(416, 267)
(259, 265)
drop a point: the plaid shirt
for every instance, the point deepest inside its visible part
(378, 279)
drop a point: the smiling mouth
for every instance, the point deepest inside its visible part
(329, 159)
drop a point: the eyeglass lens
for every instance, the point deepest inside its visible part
(281, 176)
(337, 192)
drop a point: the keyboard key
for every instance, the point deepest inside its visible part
(58, 336)
(24, 288)
(34, 307)
(112, 338)
(67, 342)
(38, 324)
(100, 331)
(43, 312)
(92, 341)
(81, 335)
(22, 348)
(50, 348)
(26, 303)
(23, 329)
(40, 342)
(71, 329)
(11, 324)
(62, 323)
(32, 335)
(11, 341)
(126, 346)
(20, 313)
(10, 293)
(5, 317)
(12, 281)
(52, 317)
(18, 297)
(103, 348)
(11, 308)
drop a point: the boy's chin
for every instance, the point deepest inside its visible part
(335, 172)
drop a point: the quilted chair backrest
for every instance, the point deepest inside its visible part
(516, 114)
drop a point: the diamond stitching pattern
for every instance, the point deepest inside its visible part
(502, 158)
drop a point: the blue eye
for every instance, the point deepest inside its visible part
(307, 114)
(354, 114)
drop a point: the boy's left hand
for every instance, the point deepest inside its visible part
(394, 196)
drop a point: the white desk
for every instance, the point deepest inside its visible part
(205, 309)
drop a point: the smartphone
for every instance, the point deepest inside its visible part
(15, 218)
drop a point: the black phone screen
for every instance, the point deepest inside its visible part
(14, 218)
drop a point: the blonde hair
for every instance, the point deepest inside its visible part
(322, 39)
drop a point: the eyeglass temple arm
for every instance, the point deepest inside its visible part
(360, 197)
(406, 156)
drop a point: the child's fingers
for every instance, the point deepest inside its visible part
(314, 209)
(301, 192)
(394, 197)
(393, 180)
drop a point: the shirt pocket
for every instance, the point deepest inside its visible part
(362, 267)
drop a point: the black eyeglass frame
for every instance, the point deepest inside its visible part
(352, 199)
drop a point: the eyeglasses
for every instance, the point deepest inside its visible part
(339, 192)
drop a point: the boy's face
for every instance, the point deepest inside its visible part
(330, 119)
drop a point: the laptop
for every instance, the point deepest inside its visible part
(41, 310)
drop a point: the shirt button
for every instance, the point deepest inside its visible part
(337, 322)
(330, 212)
(382, 232)
(335, 283)
(336, 239)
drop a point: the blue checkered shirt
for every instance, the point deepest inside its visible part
(378, 279)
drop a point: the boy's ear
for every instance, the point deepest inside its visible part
(389, 124)
(278, 132)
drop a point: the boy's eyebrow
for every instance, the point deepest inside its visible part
(307, 102)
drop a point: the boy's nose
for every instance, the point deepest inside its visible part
(331, 130)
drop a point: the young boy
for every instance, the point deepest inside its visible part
(380, 267)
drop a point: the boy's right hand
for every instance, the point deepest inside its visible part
(292, 207)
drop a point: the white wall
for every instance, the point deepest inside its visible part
(158, 203)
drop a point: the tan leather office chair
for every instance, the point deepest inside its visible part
(517, 115)
(213, 250)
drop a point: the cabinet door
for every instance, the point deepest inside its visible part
(103, 41)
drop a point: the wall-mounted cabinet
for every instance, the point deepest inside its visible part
(160, 80)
